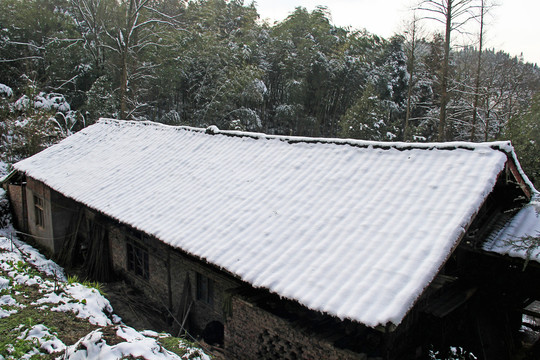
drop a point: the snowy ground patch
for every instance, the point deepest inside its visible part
(135, 344)
(20, 251)
(42, 313)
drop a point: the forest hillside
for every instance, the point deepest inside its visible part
(66, 63)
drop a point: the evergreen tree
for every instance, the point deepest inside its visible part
(395, 81)
(524, 131)
(368, 119)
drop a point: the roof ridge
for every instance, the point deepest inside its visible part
(504, 146)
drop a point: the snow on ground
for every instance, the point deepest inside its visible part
(93, 346)
(22, 267)
(85, 302)
(20, 251)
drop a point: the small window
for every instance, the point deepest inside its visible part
(205, 289)
(137, 260)
(38, 211)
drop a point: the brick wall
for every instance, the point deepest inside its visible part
(253, 333)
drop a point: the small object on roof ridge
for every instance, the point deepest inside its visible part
(212, 130)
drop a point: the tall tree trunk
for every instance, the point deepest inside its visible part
(125, 51)
(123, 86)
(486, 127)
(407, 129)
(444, 78)
(478, 69)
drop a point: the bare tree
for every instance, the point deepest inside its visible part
(453, 14)
(90, 17)
(485, 6)
(144, 24)
(411, 33)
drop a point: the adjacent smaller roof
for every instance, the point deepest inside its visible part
(519, 237)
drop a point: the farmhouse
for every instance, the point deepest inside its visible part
(287, 247)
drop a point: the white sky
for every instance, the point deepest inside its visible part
(513, 26)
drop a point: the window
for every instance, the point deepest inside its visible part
(39, 213)
(137, 260)
(205, 289)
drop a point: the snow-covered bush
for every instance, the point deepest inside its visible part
(245, 119)
(254, 92)
(52, 102)
(453, 353)
(171, 118)
(33, 120)
(5, 91)
(368, 119)
(5, 211)
(25, 136)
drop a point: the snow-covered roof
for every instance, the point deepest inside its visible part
(520, 236)
(353, 228)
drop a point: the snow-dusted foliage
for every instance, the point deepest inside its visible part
(171, 118)
(369, 119)
(5, 90)
(245, 119)
(221, 65)
(395, 78)
(255, 92)
(27, 136)
(42, 101)
(453, 353)
(5, 210)
(34, 122)
(100, 100)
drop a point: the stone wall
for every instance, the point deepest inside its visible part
(64, 212)
(172, 278)
(118, 249)
(253, 333)
(16, 199)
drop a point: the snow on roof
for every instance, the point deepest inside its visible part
(352, 228)
(520, 237)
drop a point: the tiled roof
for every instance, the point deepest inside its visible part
(520, 236)
(353, 228)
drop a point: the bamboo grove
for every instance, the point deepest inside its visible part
(66, 63)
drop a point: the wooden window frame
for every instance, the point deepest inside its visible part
(137, 260)
(205, 289)
(39, 211)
